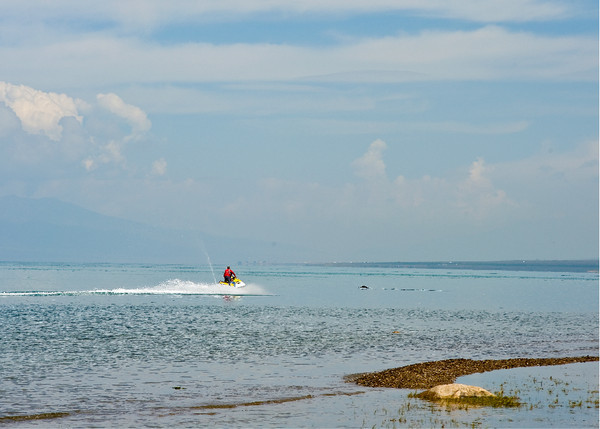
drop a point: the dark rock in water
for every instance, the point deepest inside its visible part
(364, 287)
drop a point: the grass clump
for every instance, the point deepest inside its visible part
(495, 401)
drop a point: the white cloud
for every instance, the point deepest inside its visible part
(156, 13)
(134, 116)
(55, 135)
(495, 10)
(39, 112)
(553, 171)
(486, 54)
(104, 154)
(89, 164)
(112, 152)
(482, 203)
(370, 166)
(159, 167)
(477, 197)
(474, 197)
(476, 173)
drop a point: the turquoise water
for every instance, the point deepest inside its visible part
(112, 345)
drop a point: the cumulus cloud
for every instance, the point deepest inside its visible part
(109, 153)
(477, 196)
(476, 173)
(159, 167)
(134, 116)
(56, 130)
(370, 166)
(473, 196)
(40, 112)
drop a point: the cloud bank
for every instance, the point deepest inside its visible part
(46, 114)
(374, 127)
(371, 208)
(40, 112)
(155, 13)
(488, 53)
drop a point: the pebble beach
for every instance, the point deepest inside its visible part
(430, 374)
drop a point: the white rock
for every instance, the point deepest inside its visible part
(457, 391)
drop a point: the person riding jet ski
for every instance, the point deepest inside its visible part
(228, 275)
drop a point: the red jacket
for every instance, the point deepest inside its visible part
(229, 273)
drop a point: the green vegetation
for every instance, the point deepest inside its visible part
(41, 416)
(497, 401)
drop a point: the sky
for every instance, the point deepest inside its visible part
(379, 130)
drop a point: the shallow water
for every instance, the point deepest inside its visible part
(155, 345)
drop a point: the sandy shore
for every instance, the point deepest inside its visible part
(429, 374)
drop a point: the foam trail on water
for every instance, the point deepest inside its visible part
(186, 287)
(38, 293)
(169, 287)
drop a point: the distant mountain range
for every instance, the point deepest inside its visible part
(49, 230)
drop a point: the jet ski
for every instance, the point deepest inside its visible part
(235, 282)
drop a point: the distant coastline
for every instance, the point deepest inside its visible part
(569, 266)
(566, 266)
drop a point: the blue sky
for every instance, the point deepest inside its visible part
(358, 130)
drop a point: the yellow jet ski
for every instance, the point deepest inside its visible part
(235, 282)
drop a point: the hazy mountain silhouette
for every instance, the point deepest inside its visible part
(51, 230)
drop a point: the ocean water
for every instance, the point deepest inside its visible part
(112, 345)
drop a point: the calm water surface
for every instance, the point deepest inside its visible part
(110, 345)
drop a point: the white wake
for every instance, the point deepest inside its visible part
(169, 287)
(187, 287)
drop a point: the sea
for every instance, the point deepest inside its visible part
(146, 345)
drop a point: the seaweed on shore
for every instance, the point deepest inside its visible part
(41, 416)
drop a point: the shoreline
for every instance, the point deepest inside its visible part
(429, 374)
